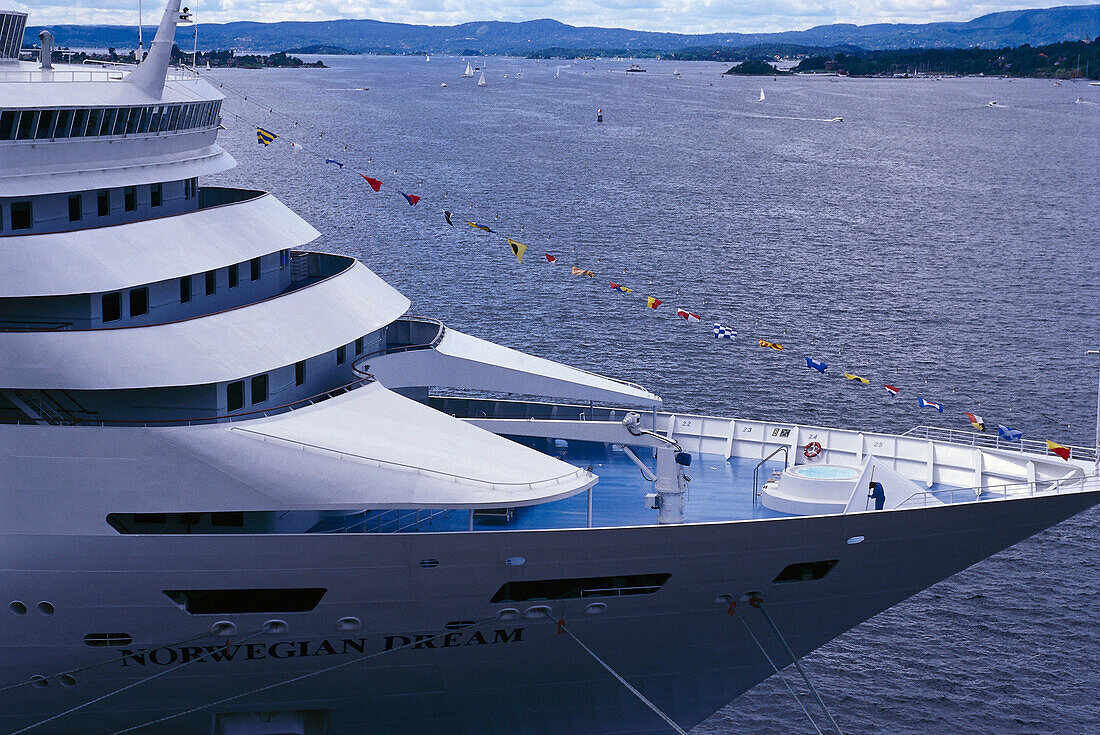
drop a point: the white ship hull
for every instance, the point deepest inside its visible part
(679, 646)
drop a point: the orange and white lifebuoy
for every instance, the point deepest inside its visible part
(811, 450)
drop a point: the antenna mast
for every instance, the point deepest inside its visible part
(141, 42)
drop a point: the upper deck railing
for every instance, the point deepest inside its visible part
(994, 441)
(111, 74)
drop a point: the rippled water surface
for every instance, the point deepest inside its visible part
(929, 241)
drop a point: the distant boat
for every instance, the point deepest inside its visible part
(675, 72)
(761, 95)
(505, 75)
(1094, 84)
(427, 58)
(835, 119)
(443, 85)
(469, 73)
(481, 82)
(993, 103)
(635, 68)
(556, 74)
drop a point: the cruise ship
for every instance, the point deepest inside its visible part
(244, 492)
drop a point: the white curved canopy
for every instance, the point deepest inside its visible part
(462, 361)
(224, 346)
(103, 259)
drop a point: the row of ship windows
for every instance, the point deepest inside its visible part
(139, 297)
(22, 212)
(234, 392)
(82, 122)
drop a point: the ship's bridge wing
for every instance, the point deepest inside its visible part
(422, 353)
(370, 448)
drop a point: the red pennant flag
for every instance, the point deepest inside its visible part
(891, 389)
(550, 258)
(412, 199)
(1060, 450)
(687, 315)
(374, 183)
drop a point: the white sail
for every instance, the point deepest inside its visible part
(427, 57)
(481, 82)
(761, 94)
(557, 74)
(469, 73)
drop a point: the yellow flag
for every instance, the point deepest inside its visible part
(849, 376)
(518, 248)
(772, 345)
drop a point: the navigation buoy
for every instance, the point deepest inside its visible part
(599, 115)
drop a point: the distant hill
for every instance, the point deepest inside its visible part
(996, 30)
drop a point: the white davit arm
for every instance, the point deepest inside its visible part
(150, 74)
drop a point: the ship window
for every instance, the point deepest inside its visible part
(107, 640)
(300, 372)
(806, 571)
(112, 306)
(130, 198)
(234, 395)
(254, 267)
(133, 119)
(156, 195)
(21, 216)
(185, 289)
(108, 121)
(228, 519)
(80, 120)
(74, 208)
(7, 124)
(64, 121)
(244, 601)
(211, 282)
(46, 119)
(120, 121)
(150, 518)
(27, 122)
(154, 121)
(139, 301)
(143, 123)
(103, 203)
(284, 258)
(259, 389)
(584, 587)
(173, 122)
(234, 276)
(359, 346)
(185, 116)
(341, 354)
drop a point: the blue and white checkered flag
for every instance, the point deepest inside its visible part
(721, 331)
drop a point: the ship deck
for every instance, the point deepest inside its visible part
(720, 490)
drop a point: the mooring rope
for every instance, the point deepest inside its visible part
(300, 677)
(758, 603)
(734, 614)
(129, 686)
(671, 723)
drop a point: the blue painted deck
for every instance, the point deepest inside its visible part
(720, 490)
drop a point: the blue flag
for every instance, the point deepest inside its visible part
(334, 161)
(1009, 434)
(818, 366)
(929, 404)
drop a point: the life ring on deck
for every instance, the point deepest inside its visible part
(811, 450)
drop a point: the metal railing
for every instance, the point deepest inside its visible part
(114, 73)
(756, 469)
(994, 441)
(377, 522)
(1076, 484)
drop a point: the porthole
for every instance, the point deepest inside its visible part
(276, 627)
(67, 680)
(348, 623)
(17, 607)
(39, 681)
(459, 624)
(514, 561)
(855, 540)
(429, 563)
(45, 608)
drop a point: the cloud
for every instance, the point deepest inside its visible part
(687, 16)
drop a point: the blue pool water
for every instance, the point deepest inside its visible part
(825, 472)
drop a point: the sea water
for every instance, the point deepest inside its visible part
(929, 241)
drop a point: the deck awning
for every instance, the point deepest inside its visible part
(465, 362)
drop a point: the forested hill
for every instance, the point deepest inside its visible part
(996, 30)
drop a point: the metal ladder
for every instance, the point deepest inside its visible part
(756, 470)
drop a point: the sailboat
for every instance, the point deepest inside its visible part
(469, 73)
(427, 57)
(556, 74)
(481, 82)
(761, 94)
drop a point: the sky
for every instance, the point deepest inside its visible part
(685, 16)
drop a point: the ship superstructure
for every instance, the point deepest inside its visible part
(245, 492)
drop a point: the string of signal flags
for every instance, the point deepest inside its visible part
(720, 330)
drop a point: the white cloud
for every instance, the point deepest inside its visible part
(688, 16)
